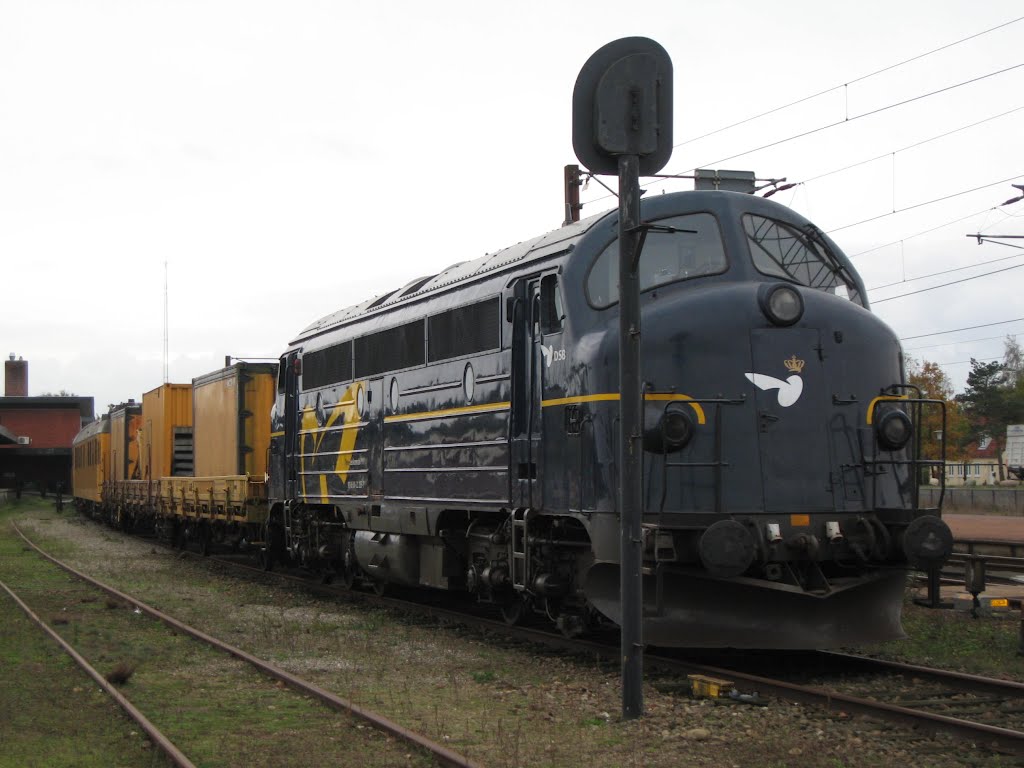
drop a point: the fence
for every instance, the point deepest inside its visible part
(1007, 501)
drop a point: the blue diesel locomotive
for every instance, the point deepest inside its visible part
(460, 433)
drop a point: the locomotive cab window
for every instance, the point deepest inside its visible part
(695, 250)
(781, 250)
(551, 313)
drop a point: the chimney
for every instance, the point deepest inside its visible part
(15, 377)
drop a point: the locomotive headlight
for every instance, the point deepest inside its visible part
(894, 430)
(671, 433)
(781, 303)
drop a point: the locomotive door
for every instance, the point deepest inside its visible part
(527, 384)
(289, 440)
(373, 441)
(793, 443)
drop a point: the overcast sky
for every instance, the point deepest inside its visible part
(289, 159)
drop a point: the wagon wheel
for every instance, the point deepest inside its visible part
(178, 535)
(513, 610)
(205, 538)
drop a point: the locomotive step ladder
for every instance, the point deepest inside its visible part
(520, 548)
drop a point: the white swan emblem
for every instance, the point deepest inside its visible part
(789, 390)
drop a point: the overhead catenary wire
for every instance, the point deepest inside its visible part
(965, 362)
(827, 126)
(848, 82)
(944, 272)
(910, 146)
(926, 202)
(862, 115)
(922, 232)
(945, 285)
(964, 328)
(959, 341)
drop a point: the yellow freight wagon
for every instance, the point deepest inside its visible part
(231, 432)
(90, 463)
(165, 439)
(231, 408)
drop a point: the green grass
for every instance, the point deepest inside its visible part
(987, 645)
(218, 710)
(52, 713)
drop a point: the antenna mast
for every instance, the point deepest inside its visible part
(167, 377)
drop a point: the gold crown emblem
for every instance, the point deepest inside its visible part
(794, 365)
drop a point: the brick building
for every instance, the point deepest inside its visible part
(36, 433)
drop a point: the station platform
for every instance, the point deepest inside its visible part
(986, 527)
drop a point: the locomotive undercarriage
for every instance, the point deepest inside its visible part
(523, 563)
(741, 582)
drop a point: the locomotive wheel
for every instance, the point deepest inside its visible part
(513, 611)
(348, 569)
(265, 559)
(348, 577)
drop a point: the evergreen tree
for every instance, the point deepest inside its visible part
(994, 398)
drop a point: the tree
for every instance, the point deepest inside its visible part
(62, 393)
(995, 397)
(935, 385)
(1013, 359)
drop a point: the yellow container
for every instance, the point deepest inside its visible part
(165, 439)
(125, 421)
(231, 408)
(704, 687)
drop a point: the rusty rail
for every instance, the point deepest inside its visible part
(443, 754)
(176, 756)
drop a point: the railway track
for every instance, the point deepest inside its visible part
(440, 754)
(985, 711)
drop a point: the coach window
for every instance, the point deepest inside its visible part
(551, 313)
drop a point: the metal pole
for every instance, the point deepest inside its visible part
(571, 184)
(630, 431)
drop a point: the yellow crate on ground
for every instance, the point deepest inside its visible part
(704, 687)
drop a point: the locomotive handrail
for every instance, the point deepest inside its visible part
(717, 464)
(916, 463)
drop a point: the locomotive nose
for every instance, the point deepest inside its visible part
(927, 541)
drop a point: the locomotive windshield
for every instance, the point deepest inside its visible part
(781, 250)
(667, 257)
